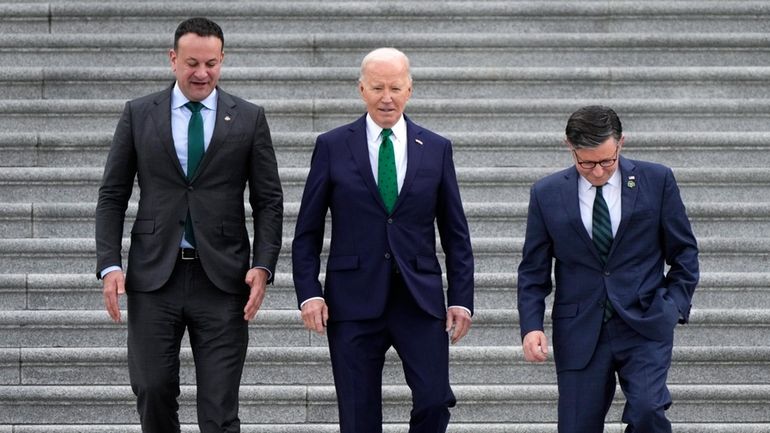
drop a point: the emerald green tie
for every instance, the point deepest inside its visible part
(194, 138)
(386, 171)
(194, 155)
(602, 237)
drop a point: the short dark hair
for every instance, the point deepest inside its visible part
(201, 27)
(591, 126)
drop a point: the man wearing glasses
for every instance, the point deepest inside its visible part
(610, 225)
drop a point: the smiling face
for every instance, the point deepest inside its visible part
(385, 87)
(197, 63)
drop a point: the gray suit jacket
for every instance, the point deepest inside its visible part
(240, 153)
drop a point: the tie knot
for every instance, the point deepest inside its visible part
(599, 189)
(195, 107)
(386, 133)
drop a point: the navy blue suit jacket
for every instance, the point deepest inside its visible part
(654, 230)
(366, 240)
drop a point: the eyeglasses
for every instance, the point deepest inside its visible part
(588, 165)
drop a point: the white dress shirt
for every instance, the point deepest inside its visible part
(610, 192)
(398, 138)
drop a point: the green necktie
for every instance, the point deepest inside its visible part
(602, 237)
(386, 171)
(194, 156)
(194, 138)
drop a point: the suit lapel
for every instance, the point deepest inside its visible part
(359, 148)
(571, 205)
(629, 192)
(161, 117)
(414, 152)
(226, 114)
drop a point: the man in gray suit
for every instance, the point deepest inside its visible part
(193, 148)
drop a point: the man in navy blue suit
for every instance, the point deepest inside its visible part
(388, 184)
(610, 225)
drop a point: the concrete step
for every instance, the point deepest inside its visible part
(494, 327)
(528, 427)
(76, 220)
(716, 290)
(479, 184)
(317, 404)
(471, 149)
(469, 365)
(401, 17)
(443, 115)
(428, 47)
(497, 254)
(430, 83)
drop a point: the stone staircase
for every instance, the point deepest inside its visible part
(688, 79)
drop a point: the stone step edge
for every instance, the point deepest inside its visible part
(284, 319)
(503, 140)
(32, 247)
(335, 107)
(292, 176)
(616, 10)
(490, 280)
(281, 355)
(324, 394)
(49, 75)
(52, 211)
(454, 427)
(450, 42)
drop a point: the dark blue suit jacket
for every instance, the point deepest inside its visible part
(654, 230)
(366, 240)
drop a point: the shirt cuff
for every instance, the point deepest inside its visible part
(460, 306)
(310, 299)
(109, 269)
(269, 274)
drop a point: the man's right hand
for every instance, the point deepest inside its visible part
(113, 285)
(535, 346)
(315, 313)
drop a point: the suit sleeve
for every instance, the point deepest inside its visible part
(680, 249)
(311, 222)
(455, 237)
(114, 194)
(534, 274)
(266, 198)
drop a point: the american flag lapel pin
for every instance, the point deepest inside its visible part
(631, 181)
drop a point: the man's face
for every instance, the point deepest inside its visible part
(603, 158)
(197, 63)
(385, 88)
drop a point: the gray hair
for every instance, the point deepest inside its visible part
(385, 54)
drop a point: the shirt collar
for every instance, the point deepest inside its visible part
(613, 181)
(374, 130)
(178, 98)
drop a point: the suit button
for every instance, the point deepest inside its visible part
(190, 188)
(390, 220)
(606, 273)
(387, 256)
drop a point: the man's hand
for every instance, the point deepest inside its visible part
(535, 346)
(460, 320)
(113, 285)
(256, 278)
(315, 313)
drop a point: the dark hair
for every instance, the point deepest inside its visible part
(201, 27)
(591, 126)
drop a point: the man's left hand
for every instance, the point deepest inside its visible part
(460, 320)
(256, 278)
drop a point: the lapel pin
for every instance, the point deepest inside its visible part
(418, 141)
(631, 181)
(227, 118)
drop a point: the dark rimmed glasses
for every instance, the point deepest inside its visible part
(605, 163)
